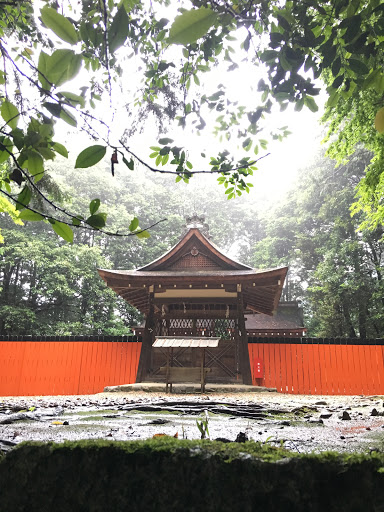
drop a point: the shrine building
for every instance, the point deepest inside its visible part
(195, 299)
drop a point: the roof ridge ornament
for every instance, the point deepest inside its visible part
(197, 222)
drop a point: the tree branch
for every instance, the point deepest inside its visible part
(84, 225)
(187, 171)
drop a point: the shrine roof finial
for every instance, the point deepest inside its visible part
(196, 221)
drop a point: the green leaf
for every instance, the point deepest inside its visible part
(76, 221)
(10, 114)
(90, 156)
(42, 68)
(130, 164)
(30, 216)
(59, 24)
(269, 55)
(53, 108)
(73, 99)
(119, 30)
(191, 25)
(353, 29)
(379, 121)
(23, 198)
(358, 67)
(67, 116)
(338, 81)
(35, 164)
(134, 224)
(46, 153)
(283, 22)
(6, 147)
(143, 234)
(61, 66)
(63, 231)
(311, 104)
(59, 148)
(247, 144)
(284, 62)
(129, 4)
(94, 205)
(97, 221)
(336, 65)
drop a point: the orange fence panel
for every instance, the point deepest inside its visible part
(65, 367)
(325, 368)
(302, 366)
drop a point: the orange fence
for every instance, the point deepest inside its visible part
(301, 366)
(319, 368)
(65, 367)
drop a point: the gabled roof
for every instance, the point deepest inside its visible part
(196, 269)
(194, 250)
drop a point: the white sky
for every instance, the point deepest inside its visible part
(276, 172)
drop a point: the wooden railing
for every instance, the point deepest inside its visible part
(67, 365)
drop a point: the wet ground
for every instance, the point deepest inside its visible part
(300, 423)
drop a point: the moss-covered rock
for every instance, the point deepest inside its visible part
(173, 475)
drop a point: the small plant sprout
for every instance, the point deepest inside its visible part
(202, 425)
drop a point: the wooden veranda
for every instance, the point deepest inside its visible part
(195, 290)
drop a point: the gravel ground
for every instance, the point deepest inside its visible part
(300, 423)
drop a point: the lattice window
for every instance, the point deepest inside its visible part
(210, 327)
(198, 261)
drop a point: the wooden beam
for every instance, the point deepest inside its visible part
(214, 315)
(195, 300)
(213, 281)
(146, 347)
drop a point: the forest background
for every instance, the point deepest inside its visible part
(50, 285)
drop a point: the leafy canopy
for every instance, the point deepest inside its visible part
(293, 45)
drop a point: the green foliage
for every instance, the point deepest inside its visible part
(336, 268)
(104, 44)
(191, 26)
(62, 230)
(51, 288)
(47, 288)
(59, 24)
(90, 156)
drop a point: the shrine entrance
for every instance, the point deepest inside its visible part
(223, 360)
(194, 290)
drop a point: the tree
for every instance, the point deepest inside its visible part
(49, 287)
(335, 267)
(291, 44)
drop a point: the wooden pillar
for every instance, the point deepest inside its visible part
(194, 352)
(146, 347)
(245, 366)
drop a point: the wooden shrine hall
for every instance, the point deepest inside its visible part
(190, 295)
